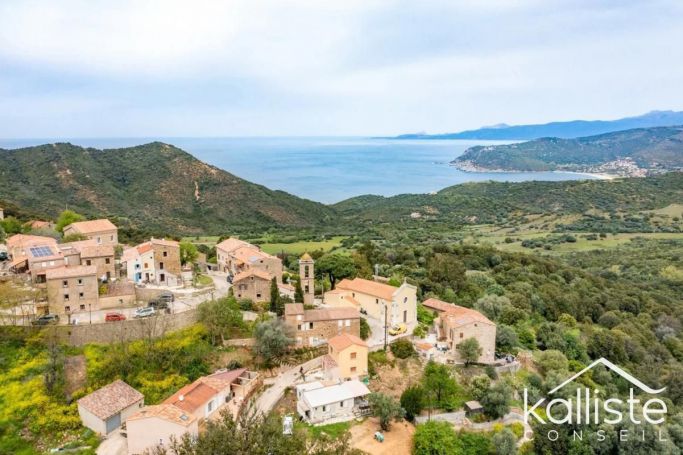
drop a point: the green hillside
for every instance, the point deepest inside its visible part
(155, 186)
(658, 148)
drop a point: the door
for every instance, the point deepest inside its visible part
(113, 423)
(405, 316)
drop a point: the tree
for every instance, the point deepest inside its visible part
(272, 340)
(479, 385)
(2, 234)
(254, 434)
(469, 350)
(496, 402)
(220, 317)
(506, 338)
(11, 225)
(188, 253)
(492, 305)
(435, 438)
(413, 401)
(437, 379)
(338, 266)
(274, 295)
(385, 408)
(446, 270)
(402, 348)
(298, 291)
(66, 218)
(365, 330)
(505, 442)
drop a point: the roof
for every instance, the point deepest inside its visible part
(94, 251)
(92, 226)
(166, 412)
(381, 290)
(309, 386)
(473, 405)
(335, 393)
(252, 272)
(249, 254)
(70, 272)
(221, 380)
(231, 244)
(193, 396)
(164, 242)
(25, 241)
(331, 314)
(424, 346)
(458, 314)
(110, 399)
(306, 257)
(294, 308)
(343, 341)
(38, 224)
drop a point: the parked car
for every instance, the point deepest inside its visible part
(158, 304)
(112, 317)
(3, 256)
(229, 279)
(398, 329)
(46, 319)
(144, 312)
(167, 297)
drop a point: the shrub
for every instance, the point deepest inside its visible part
(412, 401)
(402, 348)
(364, 329)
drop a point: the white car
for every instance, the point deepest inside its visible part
(144, 312)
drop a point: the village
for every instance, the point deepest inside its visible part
(86, 279)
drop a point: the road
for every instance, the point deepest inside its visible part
(269, 398)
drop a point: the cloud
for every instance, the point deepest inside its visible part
(243, 67)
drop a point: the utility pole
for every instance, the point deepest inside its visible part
(385, 326)
(90, 310)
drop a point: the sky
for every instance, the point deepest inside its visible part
(144, 68)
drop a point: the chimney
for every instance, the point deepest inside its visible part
(181, 398)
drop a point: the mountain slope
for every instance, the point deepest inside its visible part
(572, 129)
(649, 148)
(156, 186)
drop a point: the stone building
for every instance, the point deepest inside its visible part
(316, 327)
(373, 299)
(235, 256)
(347, 357)
(307, 277)
(252, 284)
(88, 252)
(72, 290)
(455, 324)
(156, 261)
(102, 231)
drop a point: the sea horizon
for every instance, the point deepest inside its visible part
(326, 169)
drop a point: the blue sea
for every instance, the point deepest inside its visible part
(328, 169)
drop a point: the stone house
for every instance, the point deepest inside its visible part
(88, 252)
(316, 327)
(455, 324)
(34, 254)
(72, 290)
(318, 404)
(154, 426)
(348, 357)
(235, 256)
(252, 284)
(156, 261)
(104, 410)
(102, 231)
(373, 299)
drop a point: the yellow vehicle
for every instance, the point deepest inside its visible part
(398, 329)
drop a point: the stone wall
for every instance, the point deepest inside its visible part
(128, 330)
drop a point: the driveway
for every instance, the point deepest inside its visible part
(377, 333)
(269, 398)
(114, 444)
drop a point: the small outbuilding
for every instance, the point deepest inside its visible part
(473, 407)
(104, 410)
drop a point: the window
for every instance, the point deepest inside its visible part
(353, 355)
(107, 261)
(111, 238)
(80, 281)
(165, 254)
(377, 301)
(341, 404)
(88, 262)
(210, 406)
(65, 284)
(99, 239)
(306, 289)
(405, 299)
(258, 296)
(348, 323)
(82, 307)
(66, 297)
(162, 277)
(161, 265)
(80, 295)
(461, 335)
(340, 323)
(353, 369)
(299, 317)
(306, 272)
(324, 408)
(67, 309)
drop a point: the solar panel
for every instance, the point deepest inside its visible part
(41, 251)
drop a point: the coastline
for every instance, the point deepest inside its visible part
(468, 166)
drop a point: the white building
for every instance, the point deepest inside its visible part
(322, 405)
(104, 410)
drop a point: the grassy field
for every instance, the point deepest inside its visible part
(302, 247)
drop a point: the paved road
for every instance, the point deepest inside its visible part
(269, 398)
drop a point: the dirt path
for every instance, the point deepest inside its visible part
(397, 441)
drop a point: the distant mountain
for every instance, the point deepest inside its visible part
(567, 130)
(155, 187)
(632, 152)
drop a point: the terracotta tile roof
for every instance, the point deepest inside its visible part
(294, 308)
(193, 395)
(343, 341)
(249, 254)
(331, 314)
(110, 399)
(92, 226)
(252, 272)
(143, 248)
(381, 290)
(37, 224)
(164, 242)
(231, 244)
(27, 241)
(221, 380)
(459, 314)
(286, 286)
(424, 346)
(96, 251)
(166, 412)
(70, 272)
